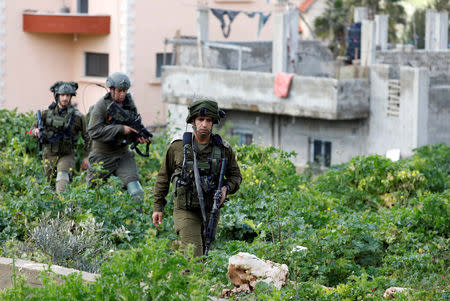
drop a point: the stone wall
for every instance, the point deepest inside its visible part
(32, 270)
(437, 62)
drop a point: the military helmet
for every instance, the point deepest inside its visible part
(118, 80)
(204, 107)
(64, 88)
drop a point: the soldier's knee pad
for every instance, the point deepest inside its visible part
(62, 176)
(135, 189)
(62, 180)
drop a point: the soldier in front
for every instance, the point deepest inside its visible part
(204, 150)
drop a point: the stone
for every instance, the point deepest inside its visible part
(245, 269)
(390, 292)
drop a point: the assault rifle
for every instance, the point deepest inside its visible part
(211, 229)
(41, 130)
(134, 122)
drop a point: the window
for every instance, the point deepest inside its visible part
(96, 64)
(245, 137)
(161, 60)
(83, 6)
(321, 152)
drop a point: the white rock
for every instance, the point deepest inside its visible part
(247, 269)
(390, 292)
(299, 249)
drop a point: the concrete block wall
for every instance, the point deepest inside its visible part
(260, 59)
(312, 97)
(439, 114)
(32, 270)
(408, 130)
(437, 62)
(291, 133)
(313, 58)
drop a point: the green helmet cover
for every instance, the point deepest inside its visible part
(118, 80)
(204, 107)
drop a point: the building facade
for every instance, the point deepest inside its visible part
(399, 102)
(85, 40)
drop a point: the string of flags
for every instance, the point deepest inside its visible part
(232, 14)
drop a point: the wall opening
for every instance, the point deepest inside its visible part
(320, 151)
(393, 101)
(96, 64)
(245, 136)
(162, 58)
(83, 6)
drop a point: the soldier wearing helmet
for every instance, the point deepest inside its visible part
(178, 168)
(62, 126)
(111, 138)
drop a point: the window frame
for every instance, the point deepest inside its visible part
(324, 158)
(80, 6)
(88, 68)
(160, 62)
(246, 137)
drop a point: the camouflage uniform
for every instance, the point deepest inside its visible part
(187, 212)
(109, 144)
(62, 128)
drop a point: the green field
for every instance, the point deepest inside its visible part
(369, 224)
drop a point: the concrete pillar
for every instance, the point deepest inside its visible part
(381, 35)
(442, 30)
(436, 30)
(414, 99)
(292, 21)
(279, 45)
(202, 25)
(2, 49)
(429, 21)
(360, 13)
(367, 43)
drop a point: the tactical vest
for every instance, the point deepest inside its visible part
(183, 181)
(114, 117)
(58, 131)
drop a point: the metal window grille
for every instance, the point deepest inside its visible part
(321, 152)
(393, 105)
(97, 64)
(83, 6)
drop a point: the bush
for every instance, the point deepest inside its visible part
(368, 224)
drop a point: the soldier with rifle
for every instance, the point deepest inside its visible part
(114, 124)
(57, 129)
(202, 169)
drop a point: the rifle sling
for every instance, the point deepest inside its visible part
(197, 183)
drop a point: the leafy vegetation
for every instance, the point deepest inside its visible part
(368, 225)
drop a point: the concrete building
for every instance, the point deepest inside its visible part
(48, 40)
(397, 101)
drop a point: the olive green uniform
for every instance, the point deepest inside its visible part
(188, 221)
(109, 143)
(58, 154)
